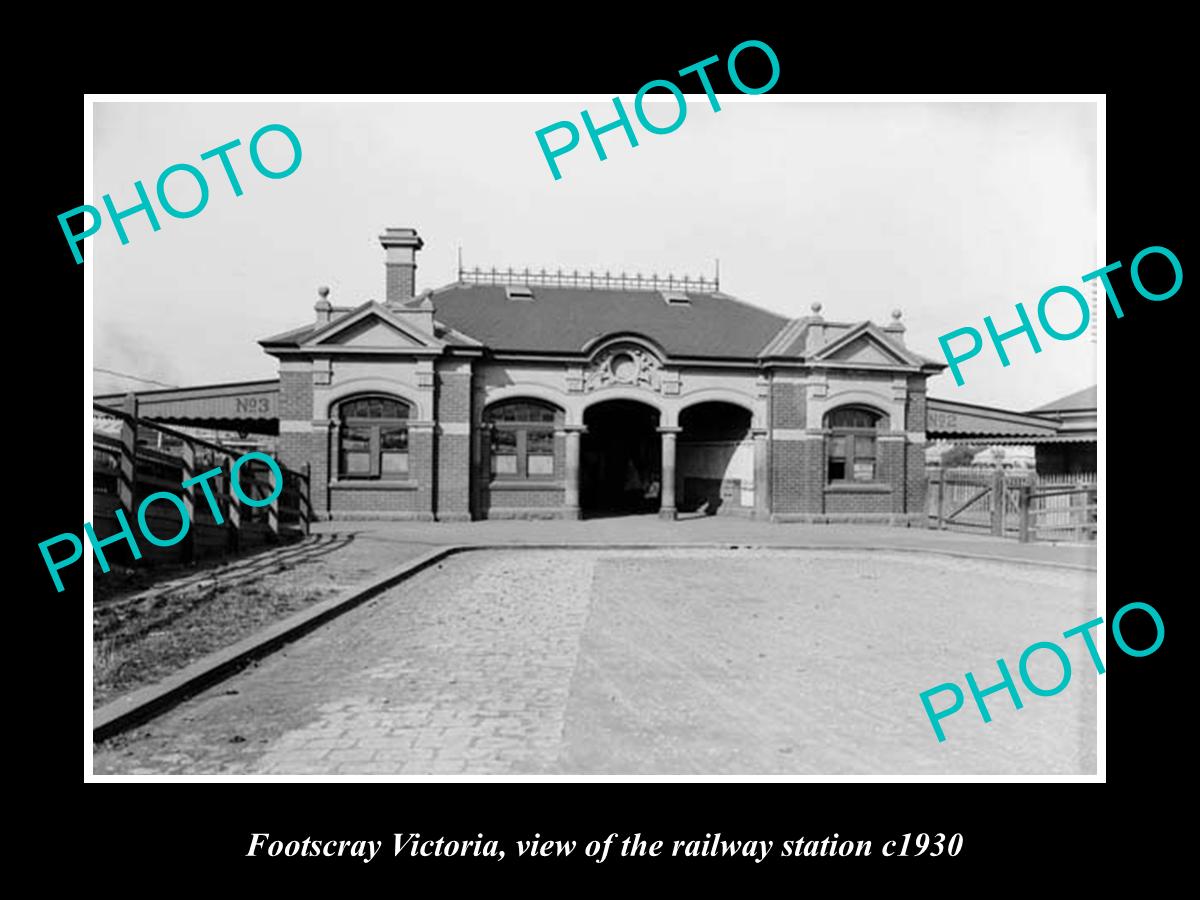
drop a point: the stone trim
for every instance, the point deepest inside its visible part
(516, 485)
(372, 485)
(400, 516)
(296, 426)
(866, 487)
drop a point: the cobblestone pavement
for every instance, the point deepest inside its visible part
(670, 661)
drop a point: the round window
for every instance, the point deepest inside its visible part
(623, 367)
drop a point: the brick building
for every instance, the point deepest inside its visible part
(519, 394)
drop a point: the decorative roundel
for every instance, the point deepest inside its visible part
(623, 367)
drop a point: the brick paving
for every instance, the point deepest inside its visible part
(671, 661)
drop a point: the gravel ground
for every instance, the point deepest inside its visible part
(643, 662)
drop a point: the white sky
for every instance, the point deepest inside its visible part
(948, 211)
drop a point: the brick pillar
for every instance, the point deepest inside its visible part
(890, 450)
(916, 405)
(323, 450)
(421, 466)
(791, 464)
(302, 439)
(916, 485)
(453, 456)
(813, 472)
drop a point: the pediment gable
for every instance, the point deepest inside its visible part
(863, 350)
(864, 345)
(373, 325)
(371, 331)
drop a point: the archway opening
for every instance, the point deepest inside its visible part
(715, 460)
(620, 459)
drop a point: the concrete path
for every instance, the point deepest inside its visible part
(649, 529)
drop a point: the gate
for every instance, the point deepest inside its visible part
(1016, 504)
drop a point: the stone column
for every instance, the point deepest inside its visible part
(667, 508)
(761, 473)
(571, 471)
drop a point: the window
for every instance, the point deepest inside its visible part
(373, 438)
(522, 439)
(852, 443)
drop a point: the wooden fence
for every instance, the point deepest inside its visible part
(1014, 503)
(126, 470)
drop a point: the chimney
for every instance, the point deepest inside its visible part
(401, 245)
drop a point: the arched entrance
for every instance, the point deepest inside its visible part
(620, 459)
(715, 459)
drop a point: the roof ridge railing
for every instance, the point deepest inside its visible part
(590, 280)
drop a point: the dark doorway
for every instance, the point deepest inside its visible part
(714, 458)
(620, 459)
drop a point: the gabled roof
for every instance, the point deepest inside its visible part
(868, 344)
(1080, 400)
(372, 322)
(564, 320)
(363, 318)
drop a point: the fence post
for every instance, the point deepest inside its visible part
(188, 461)
(941, 499)
(273, 509)
(306, 498)
(1078, 513)
(127, 475)
(235, 508)
(1023, 501)
(998, 501)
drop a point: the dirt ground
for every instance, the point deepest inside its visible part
(672, 661)
(150, 623)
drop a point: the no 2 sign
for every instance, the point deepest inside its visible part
(923, 842)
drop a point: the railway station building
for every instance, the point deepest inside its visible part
(521, 394)
(535, 394)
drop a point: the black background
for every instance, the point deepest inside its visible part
(198, 835)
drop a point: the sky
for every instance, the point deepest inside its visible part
(948, 212)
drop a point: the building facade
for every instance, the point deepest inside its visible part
(519, 394)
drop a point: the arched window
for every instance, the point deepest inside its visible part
(852, 442)
(522, 439)
(373, 438)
